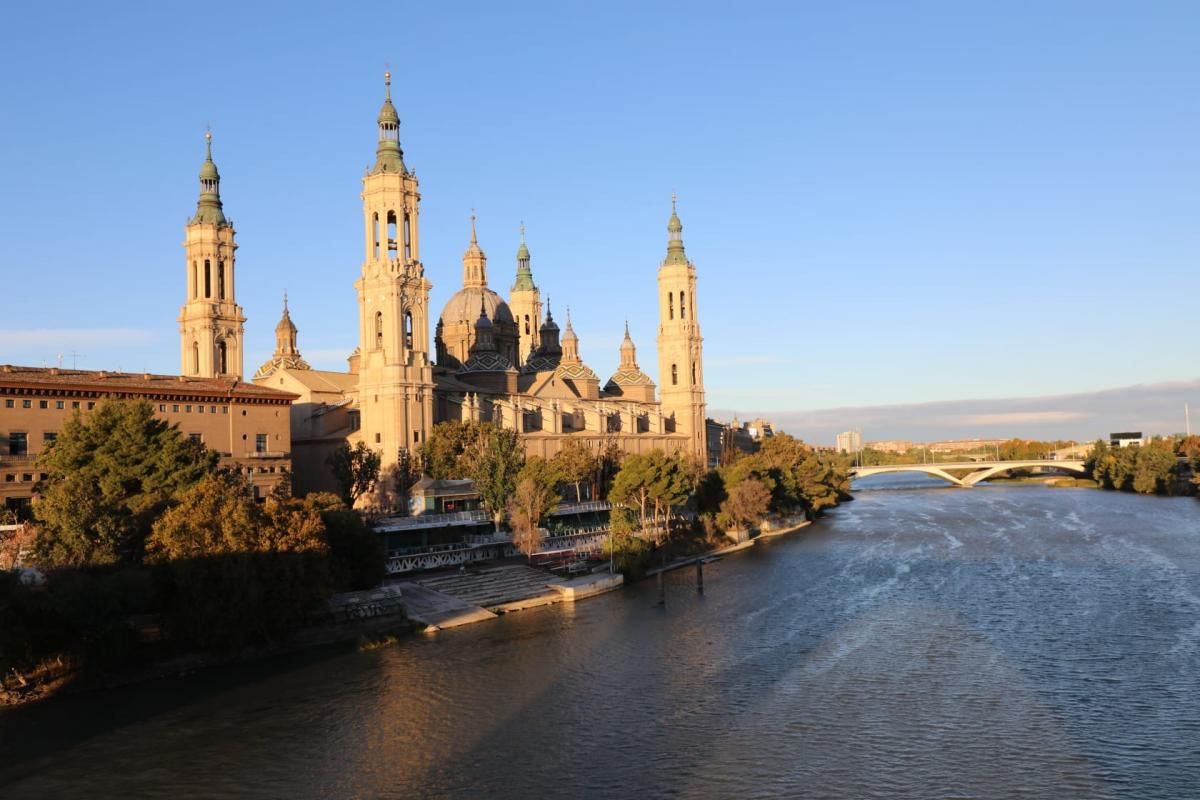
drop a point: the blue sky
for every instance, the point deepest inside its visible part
(888, 203)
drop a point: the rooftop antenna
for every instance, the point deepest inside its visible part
(60, 358)
(74, 358)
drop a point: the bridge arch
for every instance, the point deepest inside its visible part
(975, 471)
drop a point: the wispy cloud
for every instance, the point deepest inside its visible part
(1022, 418)
(74, 337)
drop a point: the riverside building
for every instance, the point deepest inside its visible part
(248, 425)
(483, 358)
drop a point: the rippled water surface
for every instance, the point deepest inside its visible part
(995, 642)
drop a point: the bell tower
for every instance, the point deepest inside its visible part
(211, 323)
(395, 374)
(525, 300)
(680, 346)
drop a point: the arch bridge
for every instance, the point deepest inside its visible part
(975, 471)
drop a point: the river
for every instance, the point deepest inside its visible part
(996, 642)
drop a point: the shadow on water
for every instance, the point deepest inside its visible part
(28, 734)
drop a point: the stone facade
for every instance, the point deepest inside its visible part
(248, 425)
(493, 359)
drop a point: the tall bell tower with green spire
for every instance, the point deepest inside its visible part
(395, 372)
(525, 301)
(680, 346)
(211, 323)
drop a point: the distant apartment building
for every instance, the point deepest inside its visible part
(727, 439)
(248, 425)
(1072, 452)
(891, 446)
(849, 442)
(1126, 439)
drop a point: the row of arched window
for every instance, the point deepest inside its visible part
(222, 358)
(683, 309)
(205, 279)
(392, 243)
(408, 330)
(675, 375)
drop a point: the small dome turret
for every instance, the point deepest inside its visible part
(388, 155)
(208, 207)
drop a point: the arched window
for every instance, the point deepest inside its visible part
(195, 358)
(391, 234)
(682, 311)
(674, 375)
(221, 282)
(207, 278)
(195, 280)
(222, 365)
(407, 238)
(378, 330)
(375, 234)
(408, 330)
(693, 373)
(670, 305)
(526, 324)
(693, 305)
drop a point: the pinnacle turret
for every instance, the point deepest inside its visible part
(524, 281)
(388, 155)
(675, 253)
(208, 207)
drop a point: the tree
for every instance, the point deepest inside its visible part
(576, 463)
(535, 497)
(356, 469)
(1154, 468)
(442, 452)
(110, 475)
(493, 461)
(747, 504)
(238, 573)
(653, 485)
(358, 559)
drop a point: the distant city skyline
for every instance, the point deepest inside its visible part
(887, 204)
(1154, 409)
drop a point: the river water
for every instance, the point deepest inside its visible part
(996, 642)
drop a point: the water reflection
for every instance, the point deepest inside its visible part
(987, 642)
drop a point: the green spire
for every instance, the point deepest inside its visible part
(208, 208)
(388, 155)
(675, 254)
(524, 281)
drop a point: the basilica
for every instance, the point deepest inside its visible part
(506, 361)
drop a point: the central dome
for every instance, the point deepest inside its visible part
(464, 305)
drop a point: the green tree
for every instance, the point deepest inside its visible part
(576, 463)
(1154, 468)
(355, 469)
(110, 475)
(442, 452)
(535, 497)
(653, 486)
(493, 461)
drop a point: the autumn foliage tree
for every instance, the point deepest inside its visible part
(535, 497)
(746, 505)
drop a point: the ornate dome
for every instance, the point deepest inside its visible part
(463, 307)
